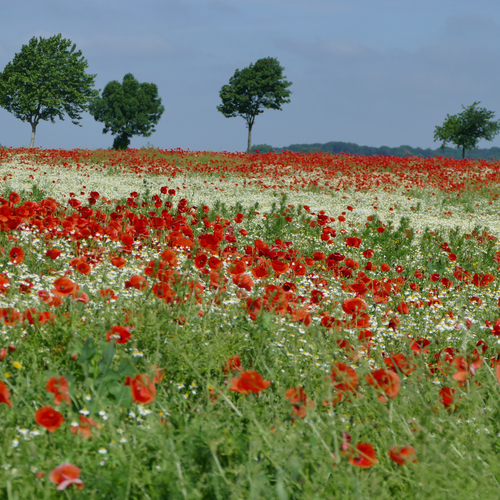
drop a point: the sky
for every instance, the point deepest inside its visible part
(371, 72)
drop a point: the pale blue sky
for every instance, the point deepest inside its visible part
(373, 72)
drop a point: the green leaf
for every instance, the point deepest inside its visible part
(107, 358)
(88, 351)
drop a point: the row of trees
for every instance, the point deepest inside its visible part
(337, 147)
(48, 79)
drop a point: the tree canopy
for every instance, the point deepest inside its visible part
(46, 80)
(253, 89)
(467, 128)
(127, 109)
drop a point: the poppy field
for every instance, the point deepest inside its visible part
(179, 324)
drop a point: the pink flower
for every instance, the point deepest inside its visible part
(65, 475)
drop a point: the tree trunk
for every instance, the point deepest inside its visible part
(249, 144)
(33, 132)
(463, 152)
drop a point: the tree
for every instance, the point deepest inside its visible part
(44, 81)
(261, 148)
(127, 109)
(261, 85)
(465, 129)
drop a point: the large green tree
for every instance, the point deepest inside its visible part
(466, 128)
(253, 89)
(44, 81)
(127, 109)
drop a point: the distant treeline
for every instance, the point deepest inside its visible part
(351, 148)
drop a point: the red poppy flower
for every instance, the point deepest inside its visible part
(298, 398)
(53, 253)
(386, 381)
(200, 261)
(14, 198)
(353, 306)
(85, 427)
(276, 299)
(214, 263)
(385, 267)
(16, 255)
(5, 395)
(64, 287)
(10, 316)
(403, 454)
(261, 271)
(58, 385)
(419, 345)
(344, 377)
(368, 253)
(403, 308)
(142, 388)
(137, 282)
(83, 267)
(126, 239)
(483, 279)
(280, 267)
(447, 395)
(253, 307)
(400, 362)
(233, 364)
(170, 257)
(237, 267)
(351, 263)
(80, 296)
(298, 268)
(243, 281)
(4, 282)
(158, 372)
(353, 241)
(118, 262)
(121, 334)
(46, 317)
(49, 418)
(65, 475)
(249, 381)
(363, 455)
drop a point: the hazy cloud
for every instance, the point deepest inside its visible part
(133, 46)
(329, 50)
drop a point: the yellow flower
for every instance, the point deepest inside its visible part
(17, 365)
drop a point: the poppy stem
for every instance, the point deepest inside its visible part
(17, 395)
(325, 446)
(230, 403)
(179, 470)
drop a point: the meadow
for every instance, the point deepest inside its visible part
(183, 325)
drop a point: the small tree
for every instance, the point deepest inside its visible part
(465, 129)
(261, 85)
(44, 81)
(127, 109)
